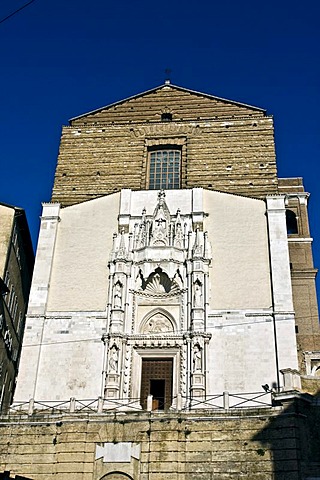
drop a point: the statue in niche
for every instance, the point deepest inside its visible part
(161, 222)
(121, 253)
(197, 296)
(160, 231)
(113, 360)
(197, 358)
(178, 280)
(178, 239)
(142, 235)
(157, 281)
(139, 281)
(161, 197)
(197, 247)
(178, 235)
(117, 295)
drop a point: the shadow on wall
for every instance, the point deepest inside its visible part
(6, 476)
(292, 438)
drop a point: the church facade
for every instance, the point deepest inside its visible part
(178, 285)
(173, 274)
(161, 293)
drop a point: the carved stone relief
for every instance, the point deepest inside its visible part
(158, 323)
(163, 129)
(183, 370)
(126, 373)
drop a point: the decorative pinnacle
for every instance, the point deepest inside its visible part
(161, 197)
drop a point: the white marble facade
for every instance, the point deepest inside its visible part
(197, 277)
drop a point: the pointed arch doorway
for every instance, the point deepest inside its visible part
(156, 380)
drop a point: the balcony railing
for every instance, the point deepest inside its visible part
(224, 402)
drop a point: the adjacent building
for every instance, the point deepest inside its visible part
(16, 266)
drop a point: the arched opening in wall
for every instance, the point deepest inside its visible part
(116, 476)
(291, 221)
(156, 380)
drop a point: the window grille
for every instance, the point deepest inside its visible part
(164, 169)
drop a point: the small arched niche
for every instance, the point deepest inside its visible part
(158, 282)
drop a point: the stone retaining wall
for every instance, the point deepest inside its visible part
(277, 443)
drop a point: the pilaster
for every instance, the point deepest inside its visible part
(32, 345)
(279, 254)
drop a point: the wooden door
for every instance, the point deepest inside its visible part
(156, 380)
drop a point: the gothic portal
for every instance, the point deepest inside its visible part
(157, 295)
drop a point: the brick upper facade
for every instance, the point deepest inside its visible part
(225, 145)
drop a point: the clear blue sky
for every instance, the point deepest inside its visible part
(61, 58)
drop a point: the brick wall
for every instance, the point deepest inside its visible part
(225, 146)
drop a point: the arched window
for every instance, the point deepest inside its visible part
(292, 224)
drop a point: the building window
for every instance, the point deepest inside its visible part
(292, 224)
(7, 279)
(15, 242)
(19, 327)
(164, 168)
